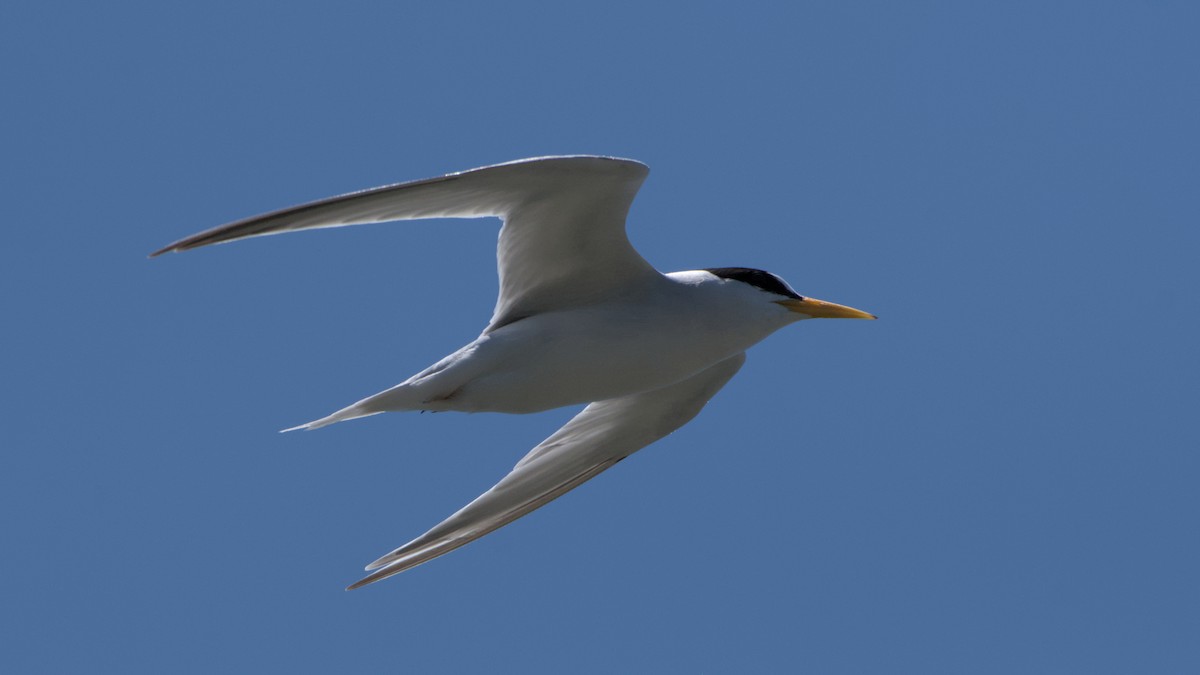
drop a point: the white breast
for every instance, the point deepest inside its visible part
(623, 346)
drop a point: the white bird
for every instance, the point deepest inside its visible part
(581, 318)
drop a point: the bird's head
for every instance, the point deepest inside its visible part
(786, 297)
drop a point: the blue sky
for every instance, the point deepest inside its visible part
(998, 476)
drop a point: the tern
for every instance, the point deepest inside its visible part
(581, 318)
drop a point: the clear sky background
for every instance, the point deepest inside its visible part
(998, 476)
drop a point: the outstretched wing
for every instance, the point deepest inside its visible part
(602, 435)
(563, 241)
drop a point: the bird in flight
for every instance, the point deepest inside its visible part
(581, 318)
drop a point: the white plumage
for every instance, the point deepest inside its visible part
(581, 318)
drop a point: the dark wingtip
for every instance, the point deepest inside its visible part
(181, 245)
(359, 584)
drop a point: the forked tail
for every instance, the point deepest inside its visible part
(353, 412)
(400, 397)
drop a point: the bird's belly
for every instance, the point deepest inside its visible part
(556, 360)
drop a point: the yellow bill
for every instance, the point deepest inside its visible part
(819, 309)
